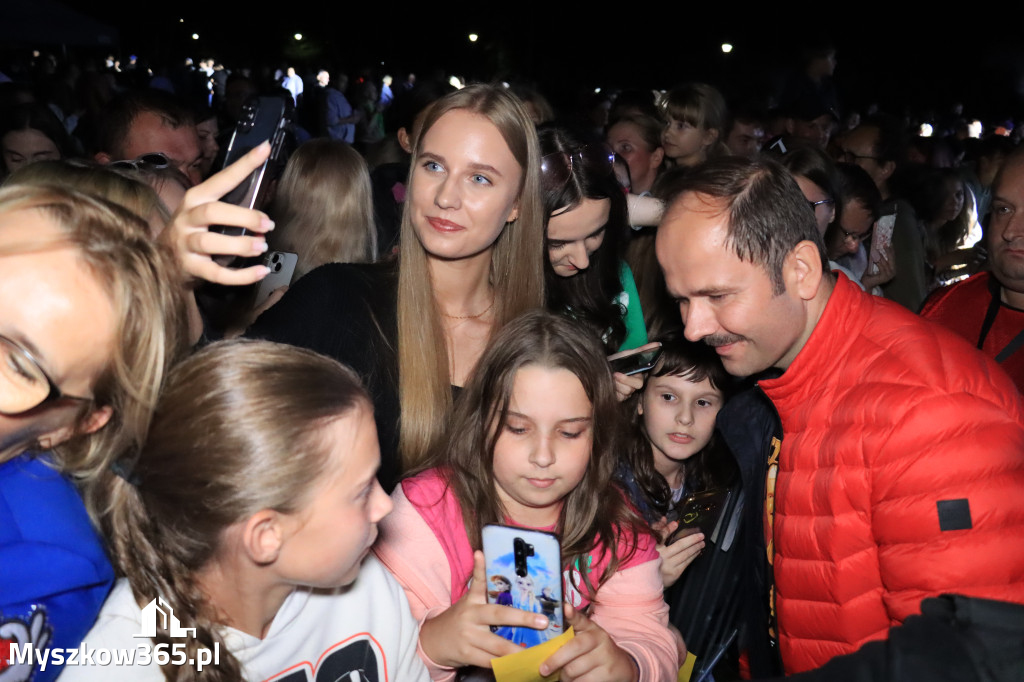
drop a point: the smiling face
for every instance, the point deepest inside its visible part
(465, 186)
(678, 418)
(574, 235)
(543, 451)
(52, 305)
(334, 531)
(729, 303)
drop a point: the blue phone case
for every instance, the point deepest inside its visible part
(524, 571)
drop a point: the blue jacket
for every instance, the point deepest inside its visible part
(54, 573)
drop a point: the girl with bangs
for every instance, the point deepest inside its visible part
(695, 115)
(673, 450)
(541, 408)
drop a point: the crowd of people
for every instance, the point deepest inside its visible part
(297, 475)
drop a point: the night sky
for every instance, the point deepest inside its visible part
(975, 56)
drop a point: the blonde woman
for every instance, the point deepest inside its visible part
(90, 318)
(471, 260)
(324, 207)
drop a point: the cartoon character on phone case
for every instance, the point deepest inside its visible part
(502, 590)
(524, 597)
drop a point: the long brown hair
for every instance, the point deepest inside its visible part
(591, 514)
(238, 429)
(517, 274)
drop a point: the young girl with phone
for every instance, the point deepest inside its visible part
(246, 516)
(533, 444)
(673, 450)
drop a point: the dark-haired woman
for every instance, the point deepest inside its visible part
(587, 226)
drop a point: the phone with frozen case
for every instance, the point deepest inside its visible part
(524, 571)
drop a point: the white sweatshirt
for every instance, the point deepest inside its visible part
(363, 632)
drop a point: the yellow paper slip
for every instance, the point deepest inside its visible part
(687, 670)
(525, 665)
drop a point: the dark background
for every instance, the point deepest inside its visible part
(901, 55)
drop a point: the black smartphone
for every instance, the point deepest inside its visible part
(263, 119)
(699, 513)
(636, 362)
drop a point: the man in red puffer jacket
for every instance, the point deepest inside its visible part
(901, 471)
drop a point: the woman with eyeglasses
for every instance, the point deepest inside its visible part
(91, 316)
(587, 227)
(470, 261)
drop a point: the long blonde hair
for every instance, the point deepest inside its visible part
(239, 428)
(148, 301)
(517, 273)
(324, 207)
(123, 187)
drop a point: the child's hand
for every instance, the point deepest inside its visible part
(680, 554)
(461, 635)
(195, 246)
(590, 656)
(626, 386)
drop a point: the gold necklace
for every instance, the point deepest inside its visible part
(470, 317)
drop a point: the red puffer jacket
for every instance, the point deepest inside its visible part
(901, 477)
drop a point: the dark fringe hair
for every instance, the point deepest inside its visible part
(589, 296)
(713, 466)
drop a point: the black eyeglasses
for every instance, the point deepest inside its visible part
(557, 167)
(23, 383)
(856, 238)
(816, 204)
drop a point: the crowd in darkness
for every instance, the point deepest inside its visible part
(289, 417)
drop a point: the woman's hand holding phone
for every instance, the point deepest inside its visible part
(461, 635)
(591, 655)
(195, 246)
(675, 557)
